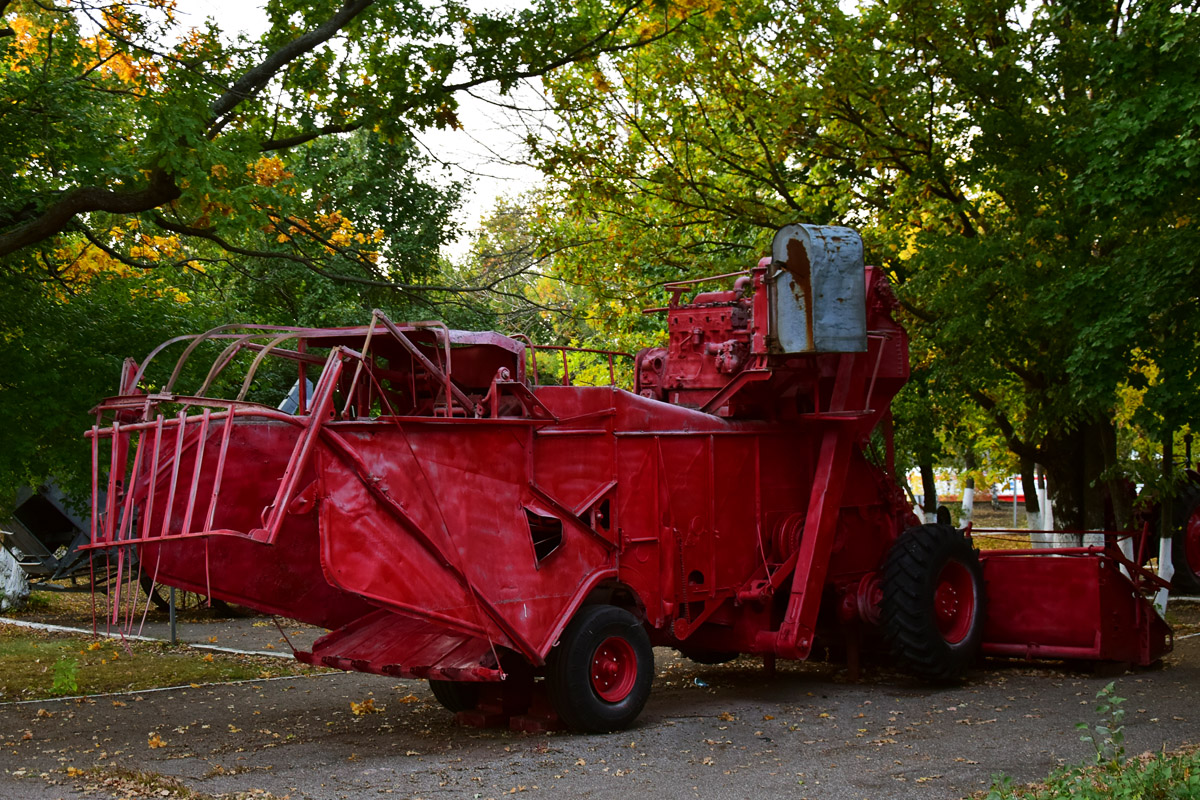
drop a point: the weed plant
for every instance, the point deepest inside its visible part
(1164, 776)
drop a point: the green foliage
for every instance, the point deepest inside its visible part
(506, 259)
(1025, 173)
(1001, 788)
(160, 177)
(1108, 735)
(1160, 777)
(58, 357)
(66, 677)
(119, 109)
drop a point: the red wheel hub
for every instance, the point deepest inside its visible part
(954, 602)
(1191, 542)
(614, 669)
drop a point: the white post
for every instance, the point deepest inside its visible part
(1166, 571)
(1033, 521)
(1044, 496)
(1126, 545)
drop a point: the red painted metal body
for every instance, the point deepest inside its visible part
(446, 516)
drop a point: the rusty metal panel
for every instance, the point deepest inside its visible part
(818, 294)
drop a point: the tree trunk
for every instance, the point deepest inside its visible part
(1074, 462)
(1044, 499)
(1121, 493)
(929, 502)
(1165, 517)
(1033, 510)
(968, 496)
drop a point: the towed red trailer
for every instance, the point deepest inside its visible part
(523, 544)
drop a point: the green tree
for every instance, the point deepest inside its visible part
(116, 113)
(158, 177)
(1026, 172)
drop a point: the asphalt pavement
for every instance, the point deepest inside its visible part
(726, 731)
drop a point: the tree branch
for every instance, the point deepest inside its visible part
(312, 264)
(917, 312)
(1014, 442)
(588, 49)
(300, 138)
(85, 199)
(257, 77)
(90, 235)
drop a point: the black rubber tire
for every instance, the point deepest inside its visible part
(455, 695)
(569, 670)
(1187, 573)
(922, 560)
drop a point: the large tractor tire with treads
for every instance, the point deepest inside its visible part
(934, 604)
(1185, 545)
(599, 675)
(455, 695)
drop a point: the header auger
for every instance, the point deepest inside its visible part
(524, 546)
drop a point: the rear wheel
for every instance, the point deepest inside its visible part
(455, 695)
(1185, 546)
(934, 605)
(599, 675)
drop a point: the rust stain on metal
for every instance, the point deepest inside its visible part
(801, 270)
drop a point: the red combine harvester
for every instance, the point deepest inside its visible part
(523, 546)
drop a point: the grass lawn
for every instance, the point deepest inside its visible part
(37, 665)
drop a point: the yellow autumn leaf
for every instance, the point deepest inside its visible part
(365, 707)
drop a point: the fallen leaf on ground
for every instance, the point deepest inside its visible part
(365, 707)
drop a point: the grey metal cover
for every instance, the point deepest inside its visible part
(818, 290)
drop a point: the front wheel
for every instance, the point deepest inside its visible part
(934, 605)
(599, 675)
